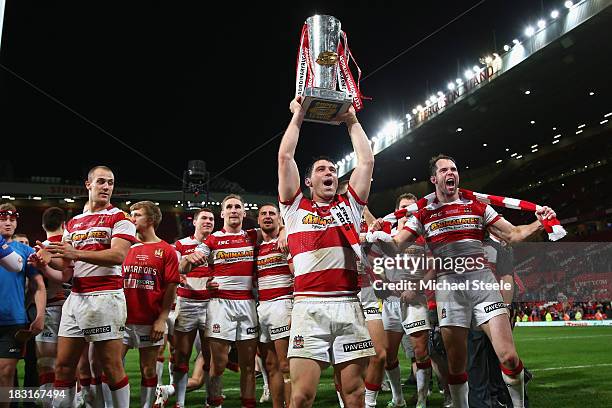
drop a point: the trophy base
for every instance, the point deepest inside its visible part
(322, 105)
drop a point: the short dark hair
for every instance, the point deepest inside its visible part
(227, 197)
(201, 210)
(91, 171)
(432, 163)
(152, 211)
(53, 218)
(270, 204)
(405, 196)
(309, 169)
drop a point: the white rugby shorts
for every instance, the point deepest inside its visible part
(331, 330)
(370, 304)
(190, 315)
(53, 317)
(94, 316)
(469, 308)
(274, 317)
(232, 320)
(407, 318)
(139, 336)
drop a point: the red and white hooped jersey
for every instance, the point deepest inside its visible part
(233, 257)
(455, 229)
(324, 262)
(147, 270)
(94, 232)
(56, 295)
(274, 279)
(194, 285)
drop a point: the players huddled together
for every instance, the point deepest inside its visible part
(298, 293)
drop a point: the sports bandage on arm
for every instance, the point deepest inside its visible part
(9, 259)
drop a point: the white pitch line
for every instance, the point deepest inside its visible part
(570, 367)
(562, 337)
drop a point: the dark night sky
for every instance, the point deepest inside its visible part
(180, 82)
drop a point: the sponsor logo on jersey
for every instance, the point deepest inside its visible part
(412, 325)
(96, 330)
(271, 261)
(216, 328)
(298, 342)
(91, 234)
(362, 345)
(494, 306)
(277, 330)
(314, 219)
(234, 255)
(451, 223)
(159, 253)
(252, 330)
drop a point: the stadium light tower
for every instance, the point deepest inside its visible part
(196, 180)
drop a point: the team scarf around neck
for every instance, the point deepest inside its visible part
(553, 227)
(341, 216)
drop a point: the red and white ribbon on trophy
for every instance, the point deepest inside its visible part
(552, 227)
(304, 72)
(304, 77)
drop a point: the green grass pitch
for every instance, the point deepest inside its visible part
(572, 367)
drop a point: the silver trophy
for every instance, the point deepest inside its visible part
(318, 78)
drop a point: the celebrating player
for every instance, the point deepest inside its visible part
(192, 304)
(407, 313)
(275, 289)
(454, 229)
(96, 243)
(327, 323)
(232, 314)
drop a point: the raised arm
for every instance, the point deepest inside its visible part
(288, 174)
(361, 179)
(517, 233)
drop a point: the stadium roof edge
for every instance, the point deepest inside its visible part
(495, 67)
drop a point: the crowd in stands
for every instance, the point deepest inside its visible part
(566, 311)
